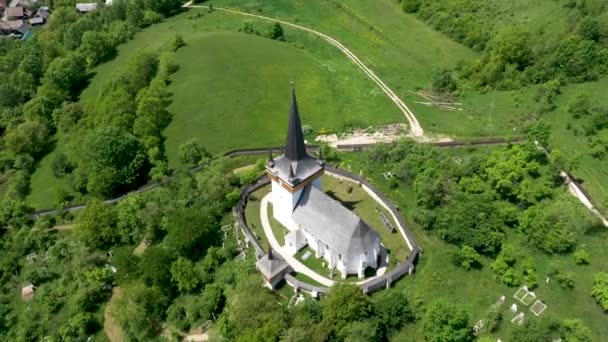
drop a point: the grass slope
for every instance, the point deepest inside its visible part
(405, 53)
(232, 91)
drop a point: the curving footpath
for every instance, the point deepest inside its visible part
(416, 130)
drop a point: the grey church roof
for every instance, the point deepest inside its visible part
(270, 264)
(295, 164)
(329, 221)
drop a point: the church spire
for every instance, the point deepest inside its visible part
(295, 149)
(292, 175)
(271, 162)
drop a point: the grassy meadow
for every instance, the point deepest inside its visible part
(476, 290)
(405, 53)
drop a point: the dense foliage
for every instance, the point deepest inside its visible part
(518, 53)
(40, 80)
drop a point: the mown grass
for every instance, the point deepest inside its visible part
(405, 53)
(476, 290)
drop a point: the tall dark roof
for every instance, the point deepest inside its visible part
(295, 164)
(295, 149)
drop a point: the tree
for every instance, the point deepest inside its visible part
(67, 72)
(512, 46)
(96, 225)
(252, 318)
(581, 257)
(548, 227)
(28, 137)
(155, 268)
(600, 289)
(111, 161)
(444, 322)
(589, 28)
(191, 153)
(67, 116)
(190, 231)
(184, 275)
(575, 330)
(97, 47)
(469, 257)
(411, 6)
(391, 309)
(164, 7)
(535, 330)
(443, 82)
(344, 304)
(361, 331)
(140, 311)
(276, 32)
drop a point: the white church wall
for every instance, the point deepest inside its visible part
(283, 203)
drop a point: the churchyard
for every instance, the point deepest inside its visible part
(230, 91)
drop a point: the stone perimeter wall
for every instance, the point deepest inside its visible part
(381, 282)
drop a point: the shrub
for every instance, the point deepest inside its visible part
(468, 258)
(600, 289)
(411, 6)
(443, 82)
(581, 257)
(565, 279)
(61, 165)
(510, 278)
(177, 42)
(493, 320)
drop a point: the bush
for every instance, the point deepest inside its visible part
(443, 82)
(61, 165)
(581, 257)
(411, 6)
(493, 320)
(600, 289)
(468, 258)
(177, 42)
(276, 32)
(565, 279)
(510, 278)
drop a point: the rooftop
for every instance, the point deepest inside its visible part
(295, 165)
(271, 265)
(14, 12)
(332, 223)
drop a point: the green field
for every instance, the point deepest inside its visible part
(405, 53)
(476, 290)
(591, 171)
(232, 91)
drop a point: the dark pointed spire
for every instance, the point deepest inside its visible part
(271, 162)
(292, 175)
(295, 149)
(320, 159)
(270, 255)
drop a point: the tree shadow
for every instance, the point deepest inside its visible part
(350, 205)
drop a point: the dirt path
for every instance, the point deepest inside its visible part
(416, 130)
(110, 326)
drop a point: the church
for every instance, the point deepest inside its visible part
(335, 233)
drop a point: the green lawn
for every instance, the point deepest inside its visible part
(592, 171)
(232, 89)
(405, 53)
(252, 214)
(476, 290)
(278, 230)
